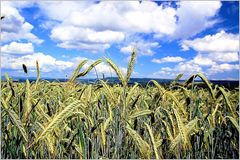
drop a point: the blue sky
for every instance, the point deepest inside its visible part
(171, 37)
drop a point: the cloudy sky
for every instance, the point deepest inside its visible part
(171, 37)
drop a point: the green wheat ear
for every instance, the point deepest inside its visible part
(89, 68)
(205, 80)
(117, 71)
(142, 145)
(153, 140)
(177, 79)
(131, 65)
(77, 70)
(56, 120)
(227, 101)
(38, 72)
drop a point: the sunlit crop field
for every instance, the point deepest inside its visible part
(54, 120)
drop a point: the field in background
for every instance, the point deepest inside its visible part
(186, 119)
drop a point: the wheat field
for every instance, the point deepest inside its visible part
(59, 120)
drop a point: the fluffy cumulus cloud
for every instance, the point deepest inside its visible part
(14, 26)
(215, 54)
(212, 58)
(82, 38)
(143, 48)
(17, 48)
(215, 51)
(168, 59)
(194, 17)
(198, 64)
(220, 42)
(202, 60)
(219, 68)
(47, 63)
(188, 68)
(96, 26)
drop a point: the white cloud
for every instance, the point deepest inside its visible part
(68, 33)
(143, 47)
(215, 52)
(14, 26)
(224, 57)
(99, 25)
(203, 60)
(168, 59)
(219, 68)
(48, 24)
(60, 10)
(47, 63)
(132, 16)
(93, 47)
(84, 38)
(220, 42)
(209, 64)
(194, 17)
(187, 68)
(92, 26)
(17, 48)
(127, 49)
(211, 58)
(88, 22)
